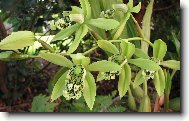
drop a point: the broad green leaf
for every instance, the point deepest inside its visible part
(139, 79)
(145, 105)
(107, 46)
(145, 64)
(55, 78)
(159, 82)
(159, 49)
(130, 4)
(86, 8)
(141, 54)
(80, 59)
(146, 25)
(137, 8)
(78, 37)
(89, 91)
(66, 32)
(59, 87)
(131, 101)
(173, 64)
(103, 23)
(127, 49)
(124, 80)
(18, 40)
(56, 59)
(76, 10)
(104, 66)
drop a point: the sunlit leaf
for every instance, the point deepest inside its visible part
(145, 64)
(124, 80)
(89, 91)
(56, 59)
(103, 23)
(173, 64)
(107, 46)
(78, 37)
(104, 66)
(127, 48)
(18, 40)
(66, 32)
(59, 87)
(159, 49)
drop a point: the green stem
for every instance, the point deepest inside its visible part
(90, 50)
(124, 62)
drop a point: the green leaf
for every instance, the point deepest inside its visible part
(66, 32)
(41, 103)
(103, 23)
(86, 8)
(159, 82)
(146, 25)
(104, 66)
(55, 78)
(76, 10)
(137, 8)
(78, 37)
(139, 79)
(89, 91)
(56, 59)
(145, 64)
(173, 64)
(124, 80)
(130, 4)
(107, 46)
(159, 49)
(127, 49)
(59, 87)
(100, 77)
(18, 40)
(121, 27)
(80, 59)
(137, 91)
(141, 54)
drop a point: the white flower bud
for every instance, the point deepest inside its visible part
(77, 18)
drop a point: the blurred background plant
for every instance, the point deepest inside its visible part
(28, 78)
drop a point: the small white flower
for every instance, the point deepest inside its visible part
(60, 23)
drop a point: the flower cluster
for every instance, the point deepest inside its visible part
(108, 13)
(148, 74)
(61, 23)
(74, 82)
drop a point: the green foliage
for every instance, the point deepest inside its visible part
(41, 104)
(113, 34)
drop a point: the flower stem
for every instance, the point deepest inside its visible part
(90, 50)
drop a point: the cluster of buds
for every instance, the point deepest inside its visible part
(108, 13)
(112, 74)
(61, 23)
(74, 82)
(148, 74)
